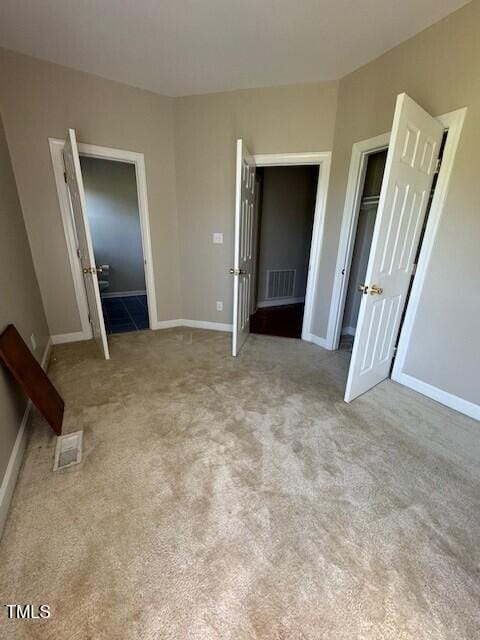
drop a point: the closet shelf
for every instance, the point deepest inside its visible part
(369, 201)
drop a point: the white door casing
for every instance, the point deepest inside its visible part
(410, 167)
(243, 250)
(73, 175)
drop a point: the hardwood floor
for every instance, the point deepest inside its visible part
(285, 321)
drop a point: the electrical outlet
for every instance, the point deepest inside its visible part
(218, 238)
(219, 305)
(33, 341)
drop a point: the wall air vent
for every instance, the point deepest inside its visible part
(280, 283)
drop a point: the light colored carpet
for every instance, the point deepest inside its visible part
(237, 499)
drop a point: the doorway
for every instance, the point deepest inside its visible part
(246, 284)
(284, 213)
(88, 276)
(375, 168)
(114, 219)
(418, 165)
(363, 235)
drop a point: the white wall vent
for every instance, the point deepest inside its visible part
(280, 283)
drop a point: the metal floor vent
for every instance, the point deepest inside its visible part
(68, 450)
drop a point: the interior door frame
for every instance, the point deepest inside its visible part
(323, 160)
(361, 151)
(116, 155)
(451, 121)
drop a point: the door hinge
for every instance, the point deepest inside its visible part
(438, 165)
(414, 269)
(65, 176)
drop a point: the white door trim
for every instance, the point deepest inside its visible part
(118, 155)
(452, 121)
(356, 177)
(56, 151)
(323, 160)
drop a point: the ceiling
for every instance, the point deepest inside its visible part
(182, 47)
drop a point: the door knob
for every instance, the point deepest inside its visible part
(374, 290)
(237, 272)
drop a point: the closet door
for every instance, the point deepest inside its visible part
(73, 175)
(409, 172)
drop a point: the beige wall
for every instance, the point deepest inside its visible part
(287, 212)
(438, 68)
(189, 146)
(41, 100)
(20, 301)
(273, 120)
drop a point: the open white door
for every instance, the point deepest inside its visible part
(243, 256)
(73, 176)
(409, 171)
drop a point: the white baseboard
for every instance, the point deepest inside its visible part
(168, 324)
(278, 302)
(123, 294)
(194, 324)
(320, 342)
(13, 467)
(348, 331)
(203, 324)
(448, 399)
(77, 336)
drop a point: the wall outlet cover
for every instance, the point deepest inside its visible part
(218, 238)
(219, 305)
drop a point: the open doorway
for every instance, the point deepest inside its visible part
(387, 236)
(285, 198)
(113, 214)
(92, 283)
(246, 284)
(366, 219)
(357, 269)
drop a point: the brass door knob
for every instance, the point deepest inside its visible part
(375, 290)
(237, 272)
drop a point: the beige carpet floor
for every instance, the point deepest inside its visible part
(235, 499)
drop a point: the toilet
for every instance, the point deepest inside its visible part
(104, 278)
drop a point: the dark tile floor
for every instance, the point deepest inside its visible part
(125, 313)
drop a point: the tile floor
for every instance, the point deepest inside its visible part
(125, 313)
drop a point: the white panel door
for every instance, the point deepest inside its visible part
(73, 175)
(409, 171)
(243, 251)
